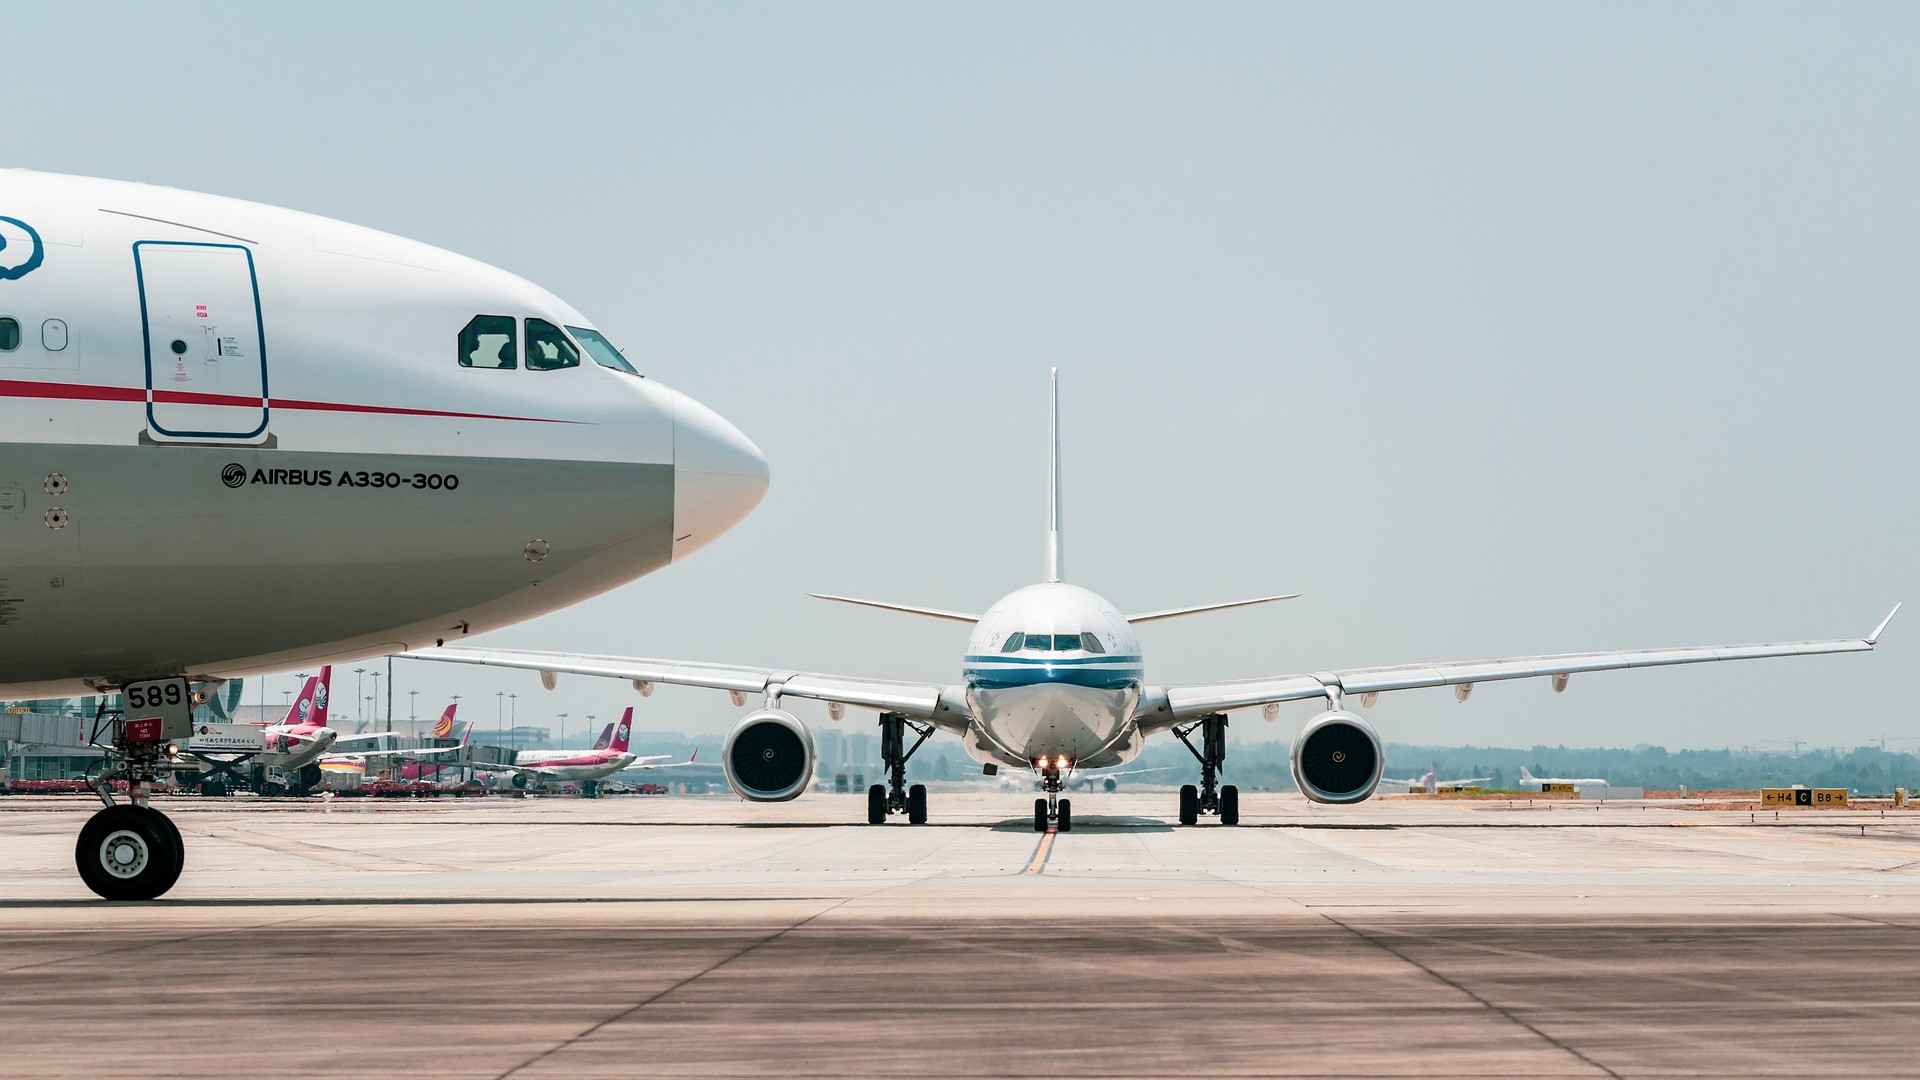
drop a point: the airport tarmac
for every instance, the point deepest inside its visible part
(709, 937)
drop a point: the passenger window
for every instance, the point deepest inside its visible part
(9, 334)
(1014, 641)
(487, 342)
(1091, 643)
(548, 349)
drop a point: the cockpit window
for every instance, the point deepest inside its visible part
(548, 349)
(1014, 642)
(601, 349)
(487, 342)
(1040, 642)
(1091, 643)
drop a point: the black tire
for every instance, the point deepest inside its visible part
(877, 804)
(1229, 805)
(129, 852)
(1039, 815)
(1065, 823)
(589, 789)
(917, 804)
(1189, 804)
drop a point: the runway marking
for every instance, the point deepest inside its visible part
(1041, 851)
(650, 999)
(1490, 1006)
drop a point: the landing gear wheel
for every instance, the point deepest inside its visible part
(877, 804)
(1229, 805)
(1189, 804)
(1039, 815)
(1065, 824)
(917, 804)
(129, 852)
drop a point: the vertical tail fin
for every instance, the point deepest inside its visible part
(310, 708)
(467, 735)
(606, 738)
(622, 732)
(1056, 557)
(444, 728)
(1526, 777)
(320, 695)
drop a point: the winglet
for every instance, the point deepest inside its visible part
(1874, 638)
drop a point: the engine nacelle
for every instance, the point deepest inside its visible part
(1337, 758)
(769, 756)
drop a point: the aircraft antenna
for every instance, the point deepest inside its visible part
(1055, 557)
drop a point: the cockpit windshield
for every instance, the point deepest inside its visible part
(1055, 643)
(601, 350)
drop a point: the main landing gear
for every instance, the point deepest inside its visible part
(894, 796)
(130, 851)
(1053, 808)
(1212, 755)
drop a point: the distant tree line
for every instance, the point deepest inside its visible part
(1263, 765)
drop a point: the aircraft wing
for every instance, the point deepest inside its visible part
(1170, 704)
(919, 700)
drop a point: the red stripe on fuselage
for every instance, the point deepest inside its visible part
(69, 391)
(86, 392)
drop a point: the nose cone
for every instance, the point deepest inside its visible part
(719, 476)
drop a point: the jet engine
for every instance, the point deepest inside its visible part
(1337, 758)
(769, 756)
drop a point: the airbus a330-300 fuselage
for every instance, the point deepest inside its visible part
(237, 439)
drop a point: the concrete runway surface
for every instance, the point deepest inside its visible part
(706, 937)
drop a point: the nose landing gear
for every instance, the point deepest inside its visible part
(130, 851)
(894, 796)
(1208, 798)
(1053, 809)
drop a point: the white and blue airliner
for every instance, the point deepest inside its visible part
(1053, 681)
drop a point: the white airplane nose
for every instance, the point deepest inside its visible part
(719, 476)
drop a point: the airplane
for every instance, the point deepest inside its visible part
(1107, 780)
(585, 767)
(243, 439)
(1053, 680)
(300, 745)
(443, 728)
(1528, 780)
(1425, 782)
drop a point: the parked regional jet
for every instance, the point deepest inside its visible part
(1053, 680)
(585, 767)
(239, 439)
(1528, 780)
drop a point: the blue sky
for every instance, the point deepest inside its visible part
(1492, 328)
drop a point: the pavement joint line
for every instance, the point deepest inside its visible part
(1485, 1003)
(656, 996)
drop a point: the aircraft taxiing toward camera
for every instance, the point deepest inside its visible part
(1053, 680)
(239, 439)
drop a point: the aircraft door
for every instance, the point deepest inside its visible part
(205, 341)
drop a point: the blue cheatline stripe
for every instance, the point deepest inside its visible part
(1043, 661)
(1116, 678)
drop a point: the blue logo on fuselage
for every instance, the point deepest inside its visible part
(21, 251)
